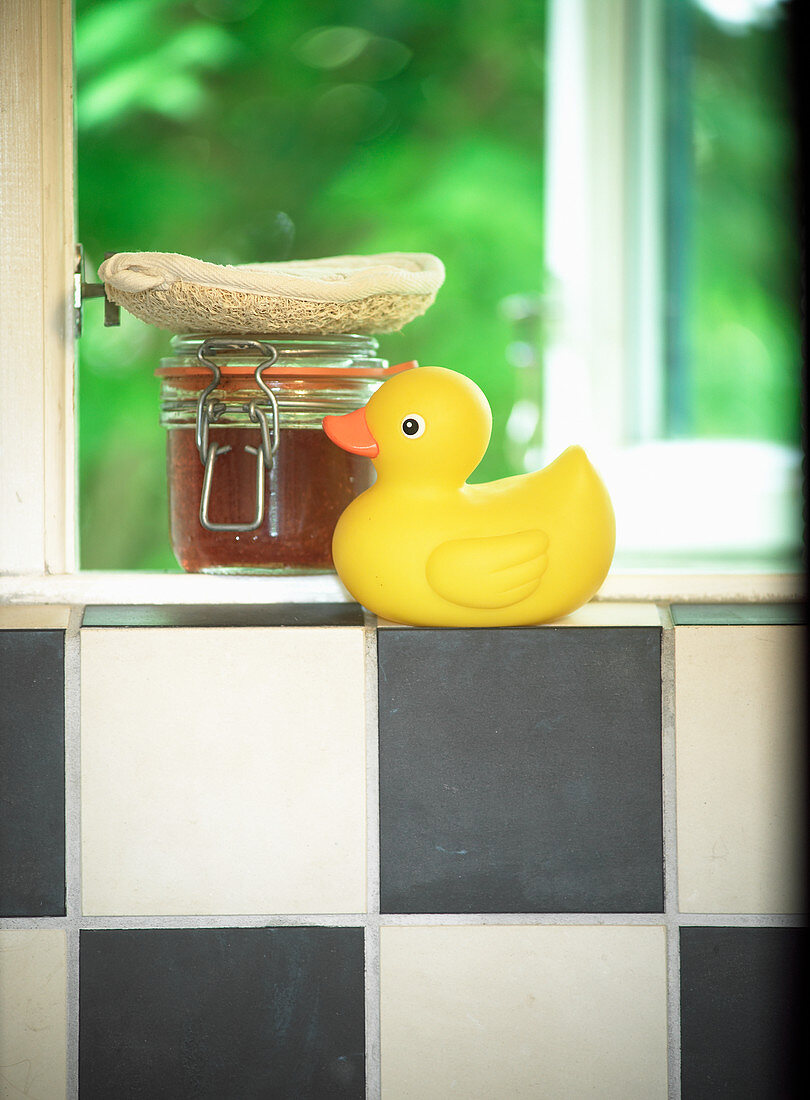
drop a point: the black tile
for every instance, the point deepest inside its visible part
(211, 1014)
(520, 770)
(742, 999)
(738, 614)
(32, 773)
(224, 615)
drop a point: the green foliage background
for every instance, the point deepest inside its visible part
(240, 131)
(742, 316)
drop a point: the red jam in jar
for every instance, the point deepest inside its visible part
(255, 485)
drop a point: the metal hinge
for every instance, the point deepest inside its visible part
(82, 290)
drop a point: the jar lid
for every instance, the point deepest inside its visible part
(230, 370)
(284, 342)
(288, 356)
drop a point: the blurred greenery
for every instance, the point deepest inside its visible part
(240, 131)
(743, 314)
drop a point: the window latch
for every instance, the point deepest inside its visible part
(83, 290)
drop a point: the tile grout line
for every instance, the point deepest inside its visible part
(73, 839)
(133, 922)
(570, 920)
(639, 920)
(372, 775)
(372, 925)
(743, 920)
(158, 922)
(152, 921)
(372, 1016)
(164, 921)
(669, 810)
(25, 924)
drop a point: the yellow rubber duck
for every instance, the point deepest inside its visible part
(423, 547)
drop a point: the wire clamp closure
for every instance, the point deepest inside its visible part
(209, 410)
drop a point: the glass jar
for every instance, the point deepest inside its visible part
(255, 485)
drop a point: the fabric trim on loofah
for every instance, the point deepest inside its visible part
(362, 294)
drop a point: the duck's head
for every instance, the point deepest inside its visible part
(427, 424)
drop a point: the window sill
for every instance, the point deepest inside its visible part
(657, 586)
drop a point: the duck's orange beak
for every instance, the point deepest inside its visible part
(352, 433)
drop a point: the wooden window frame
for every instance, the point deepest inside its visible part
(37, 451)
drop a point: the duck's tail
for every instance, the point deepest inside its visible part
(575, 507)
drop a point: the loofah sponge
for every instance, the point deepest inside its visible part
(360, 294)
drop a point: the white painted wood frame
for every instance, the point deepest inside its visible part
(37, 423)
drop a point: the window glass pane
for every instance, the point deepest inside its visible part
(240, 131)
(733, 247)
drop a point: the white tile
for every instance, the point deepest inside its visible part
(740, 768)
(608, 613)
(223, 771)
(34, 616)
(33, 1018)
(503, 1012)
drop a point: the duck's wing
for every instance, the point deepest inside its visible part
(496, 571)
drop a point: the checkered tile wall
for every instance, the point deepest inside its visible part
(292, 852)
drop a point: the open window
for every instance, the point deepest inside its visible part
(672, 246)
(601, 162)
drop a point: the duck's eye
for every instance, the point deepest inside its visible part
(413, 425)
